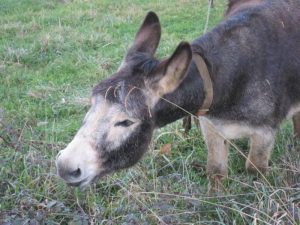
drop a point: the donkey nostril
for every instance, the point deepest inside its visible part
(76, 173)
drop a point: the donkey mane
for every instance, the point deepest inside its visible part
(235, 5)
(207, 44)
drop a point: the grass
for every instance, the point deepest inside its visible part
(51, 54)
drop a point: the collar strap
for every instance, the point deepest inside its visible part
(207, 84)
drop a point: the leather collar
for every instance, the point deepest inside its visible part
(207, 84)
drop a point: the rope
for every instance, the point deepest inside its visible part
(208, 15)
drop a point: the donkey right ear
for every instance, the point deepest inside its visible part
(148, 36)
(171, 72)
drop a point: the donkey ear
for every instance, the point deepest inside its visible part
(148, 36)
(172, 71)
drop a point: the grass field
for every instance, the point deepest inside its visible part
(52, 52)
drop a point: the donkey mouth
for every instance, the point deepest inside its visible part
(82, 183)
(86, 181)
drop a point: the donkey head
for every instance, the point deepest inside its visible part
(118, 127)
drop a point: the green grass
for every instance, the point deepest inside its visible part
(51, 54)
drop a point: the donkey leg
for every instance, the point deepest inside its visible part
(261, 145)
(187, 124)
(197, 122)
(296, 122)
(217, 158)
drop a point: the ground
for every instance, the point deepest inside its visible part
(52, 52)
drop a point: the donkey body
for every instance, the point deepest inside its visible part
(254, 65)
(255, 68)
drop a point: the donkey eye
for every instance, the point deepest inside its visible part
(124, 123)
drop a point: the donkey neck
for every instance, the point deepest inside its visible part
(189, 96)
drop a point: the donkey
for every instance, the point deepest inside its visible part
(243, 78)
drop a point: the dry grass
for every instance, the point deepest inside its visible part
(51, 54)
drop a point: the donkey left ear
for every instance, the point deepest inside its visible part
(172, 71)
(148, 36)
